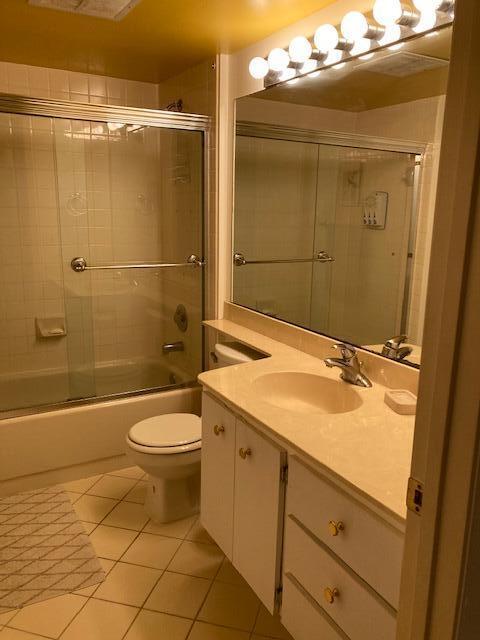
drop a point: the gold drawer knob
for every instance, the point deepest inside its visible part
(217, 430)
(335, 527)
(243, 453)
(330, 594)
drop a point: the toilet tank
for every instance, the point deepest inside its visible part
(228, 353)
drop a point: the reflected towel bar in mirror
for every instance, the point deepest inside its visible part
(80, 264)
(322, 256)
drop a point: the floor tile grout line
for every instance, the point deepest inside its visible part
(122, 498)
(206, 595)
(145, 600)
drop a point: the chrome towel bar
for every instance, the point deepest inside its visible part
(80, 264)
(322, 256)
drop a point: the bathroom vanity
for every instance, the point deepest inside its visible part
(306, 499)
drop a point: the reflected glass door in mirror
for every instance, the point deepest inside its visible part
(335, 180)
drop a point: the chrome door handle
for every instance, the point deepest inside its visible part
(323, 256)
(244, 453)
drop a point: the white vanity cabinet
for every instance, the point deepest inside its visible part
(217, 488)
(341, 561)
(335, 559)
(242, 499)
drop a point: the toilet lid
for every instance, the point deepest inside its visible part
(169, 430)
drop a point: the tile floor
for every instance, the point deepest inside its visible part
(164, 582)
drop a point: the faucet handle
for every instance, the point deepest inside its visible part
(396, 341)
(347, 350)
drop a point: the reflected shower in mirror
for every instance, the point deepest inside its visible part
(335, 180)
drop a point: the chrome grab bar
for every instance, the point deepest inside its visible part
(322, 256)
(80, 264)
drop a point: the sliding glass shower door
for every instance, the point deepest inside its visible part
(119, 196)
(321, 229)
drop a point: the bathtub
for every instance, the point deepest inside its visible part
(76, 441)
(29, 392)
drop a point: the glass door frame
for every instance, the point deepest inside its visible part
(338, 139)
(28, 106)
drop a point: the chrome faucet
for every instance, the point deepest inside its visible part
(350, 365)
(173, 346)
(393, 350)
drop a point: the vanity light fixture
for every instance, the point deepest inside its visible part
(358, 38)
(287, 74)
(427, 20)
(333, 57)
(278, 59)
(393, 33)
(308, 66)
(361, 46)
(355, 26)
(258, 68)
(387, 12)
(326, 38)
(300, 49)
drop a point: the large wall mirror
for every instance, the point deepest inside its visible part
(335, 181)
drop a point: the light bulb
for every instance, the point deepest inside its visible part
(308, 66)
(392, 34)
(326, 38)
(258, 68)
(428, 19)
(333, 57)
(361, 46)
(387, 12)
(278, 59)
(300, 49)
(287, 74)
(354, 26)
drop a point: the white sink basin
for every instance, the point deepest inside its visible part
(306, 392)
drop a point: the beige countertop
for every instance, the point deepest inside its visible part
(369, 448)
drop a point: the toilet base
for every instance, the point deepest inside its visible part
(169, 499)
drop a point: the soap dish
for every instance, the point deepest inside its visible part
(401, 401)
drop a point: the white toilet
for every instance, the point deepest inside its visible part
(168, 448)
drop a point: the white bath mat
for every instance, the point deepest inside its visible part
(44, 550)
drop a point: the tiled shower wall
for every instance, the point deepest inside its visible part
(112, 316)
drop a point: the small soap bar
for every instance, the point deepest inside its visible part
(401, 401)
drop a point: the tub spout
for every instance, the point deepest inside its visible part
(168, 347)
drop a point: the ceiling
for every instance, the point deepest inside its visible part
(156, 40)
(363, 85)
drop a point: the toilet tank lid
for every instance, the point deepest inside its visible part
(169, 430)
(236, 352)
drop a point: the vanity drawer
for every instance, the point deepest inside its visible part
(369, 545)
(303, 618)
(356, 609)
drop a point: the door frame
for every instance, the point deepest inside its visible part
(445, 452)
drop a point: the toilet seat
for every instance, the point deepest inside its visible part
(166, 434)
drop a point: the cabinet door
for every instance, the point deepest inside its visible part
(258, 512)
(218, 457)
